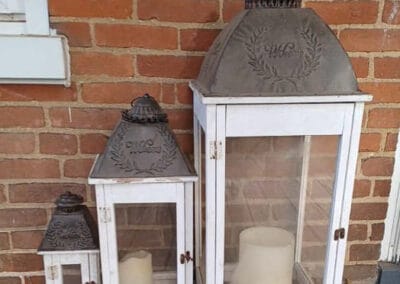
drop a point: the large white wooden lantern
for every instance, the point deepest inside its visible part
(70, 247)
(277, 119)
(144, 196)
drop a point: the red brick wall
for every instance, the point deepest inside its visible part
(123, 48)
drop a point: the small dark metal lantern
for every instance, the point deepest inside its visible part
(70, 245)
(143, 177)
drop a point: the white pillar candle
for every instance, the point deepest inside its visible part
(266, 256)
(136, 267)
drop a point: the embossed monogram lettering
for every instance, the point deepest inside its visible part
(142, 146)
(275, 50)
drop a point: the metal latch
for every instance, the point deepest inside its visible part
(339, 234)
(185, 257)
(52, 273)
(215, 150)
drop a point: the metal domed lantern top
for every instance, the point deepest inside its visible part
(277, 120)
(70, 246)
(144, 198)
(142, 145)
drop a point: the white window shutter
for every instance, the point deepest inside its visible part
(29, 51)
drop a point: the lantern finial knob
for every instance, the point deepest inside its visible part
(69, 202)
(145, 109)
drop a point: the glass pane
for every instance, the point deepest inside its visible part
(271, 182)
(146, 239)
(71, 273)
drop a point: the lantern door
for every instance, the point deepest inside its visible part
(143, 233)
(274, 192)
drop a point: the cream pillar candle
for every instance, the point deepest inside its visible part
(266, 256)
(136, 267)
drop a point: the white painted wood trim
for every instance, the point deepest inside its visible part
(199, 109)
(103, 232)
(37, 17)
(34, 59)
(12, 7)
(180, 231)
(197, 191)
(355, 123)
(332, 257)
(302, 198)
(220, 193)
(390, 246)
(210, 169)
(285, 120)
(189, 230)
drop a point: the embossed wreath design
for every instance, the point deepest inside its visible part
(127, 163)
(310, 57)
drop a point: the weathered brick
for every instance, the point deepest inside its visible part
(362, 188)
(387, 67)
(77, 167)
(322, 166)
(92, 143)
(359, 252)
(84, 118)
(193, 11)
(360, 66)
(22, 217)
(168, 93)
(368, 211)
(231, 8)
(151, 37)
(29, 168)
(383, 92)
(346, 12)
(10, 280)
(98, 63)
(118, 93)
(169, 66)
(54, 143)
(17, 143)
(42, 192)
(3, 197)
(370, 40)
(78, 33)
(382, 188)
(27, 239)
(377, 166)
(359, 272)
(370, 142)
(185, 142)
(98, 8)
(357, 232)
(391, 141)
(134, 239)
(384, 118)
(35, 279)
(377, 231)
(21, 262)
(324, 144)
(180, 119)
(391, 13)
(184, 94)
(4, 242)
(21, 117)
(197, 39)
(37, 93)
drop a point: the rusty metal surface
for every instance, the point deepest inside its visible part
(71, 227)
(276, 52)
(142, 145)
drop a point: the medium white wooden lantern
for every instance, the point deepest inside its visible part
(277, 120)
(144, 196)
(70, 246)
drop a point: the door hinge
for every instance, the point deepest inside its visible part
(215, 150)
(105, 214)
(52, 272)
(339, 234)
(185, 257)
